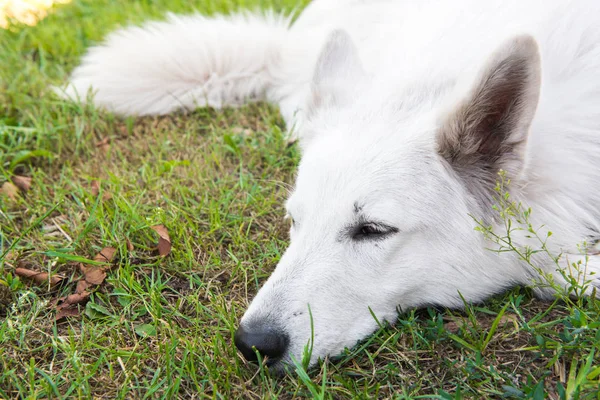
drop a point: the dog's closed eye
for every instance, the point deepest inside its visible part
(372, 231)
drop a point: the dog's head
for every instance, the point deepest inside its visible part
(382, 208)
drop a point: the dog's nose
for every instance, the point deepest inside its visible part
(268, 341)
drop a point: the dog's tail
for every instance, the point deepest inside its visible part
(183, 63)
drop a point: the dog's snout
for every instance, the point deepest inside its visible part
(269, 342)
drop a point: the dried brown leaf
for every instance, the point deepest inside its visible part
(68, 306)
(162, 231)
(22, 182)
(104, 145)
(106, 255)
(76, 298)
(129, 244)
(95, 191)
(10, 190)
(83, 268)
(164, 247)
(164, 241)
(70, 311)
(72, 299)
(103, 142)
(82, 286)
(95, 275)
(95, 188)
(39, 278)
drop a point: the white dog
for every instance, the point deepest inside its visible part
(406, 111)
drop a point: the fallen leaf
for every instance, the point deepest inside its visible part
(104, 145)
(10, 190)
(103, 142)
(83, 268)
(95, 275)
(95, 187)
(164, 241)
(92, 275)
(129, 244)
(68, 306)
(106, 255)
(75, 298)
(22, 182)
(82, 286)
(39, 278)
(70, 311)
(95, 191)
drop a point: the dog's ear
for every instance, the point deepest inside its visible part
(337, 71)
(488, 130)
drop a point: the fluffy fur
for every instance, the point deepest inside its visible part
(406, 111)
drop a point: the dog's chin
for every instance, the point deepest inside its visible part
(279, 368)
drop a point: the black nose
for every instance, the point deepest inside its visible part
(268, 341)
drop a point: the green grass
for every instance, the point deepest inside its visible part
(163, 327)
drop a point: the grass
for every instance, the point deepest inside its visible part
(162, 327)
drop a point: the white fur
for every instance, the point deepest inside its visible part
(182, 63)
(369, 128)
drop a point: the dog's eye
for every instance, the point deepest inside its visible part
(370, 230)
(366, 230)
